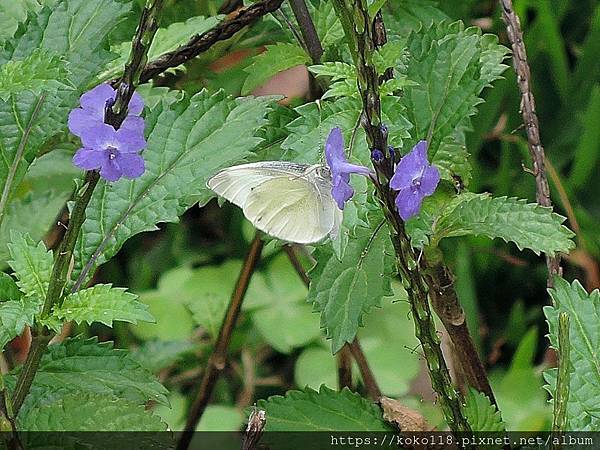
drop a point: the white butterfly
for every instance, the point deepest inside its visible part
(289, 201)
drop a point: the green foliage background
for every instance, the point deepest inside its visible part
(184, 272)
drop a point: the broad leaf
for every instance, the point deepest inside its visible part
(102, 303)
(188, 142)
(451, 67)
(90, 412)
(275, 59)
(583, 407)
(325, 410)
(8, 288)
(39, 72)
(157, 355)
(481, 414)
(79, 367)
(528, 225)
(343, 291)
(14, 316)
(32, 265)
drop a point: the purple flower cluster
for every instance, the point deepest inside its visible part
(414, 177)
(114, 152)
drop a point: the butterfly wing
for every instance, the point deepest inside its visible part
(280, 198)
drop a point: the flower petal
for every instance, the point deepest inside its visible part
(134, 123)
(95, 99)
(82, 119)
(430, 180)
(341, 192)
(90, 159)
(408, 202)
(411, 166)
(99, 136)
(111, 171)
(130, 141)
(136, 104)
(334, 148)
(132, 165)
(348, 168)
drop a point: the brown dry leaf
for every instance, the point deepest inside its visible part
(402, 417)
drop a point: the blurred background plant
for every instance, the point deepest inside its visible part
(186, 271)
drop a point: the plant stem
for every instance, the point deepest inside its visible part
(41, 335)
(530, 119)
(447, 307)
(344, 367)
(218, 359)
(408, 267)
(200, 43)
(561, 394)
(373, 390)
(307, 28)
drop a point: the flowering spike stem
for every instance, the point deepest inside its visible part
(64, 254)
(530, 119)
(411, 271)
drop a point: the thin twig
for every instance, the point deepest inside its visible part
(229, 6)
(42, 335)
(308, 30)
(530, 119)
(200, 43)
(218, 359)
(373, 390)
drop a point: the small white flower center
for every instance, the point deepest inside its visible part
(112, 153)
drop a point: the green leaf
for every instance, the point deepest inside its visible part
(221, 418)
(32, 264)
(8, 288)
(102, 303)
(583, 407)
(412, 15)
(188, 142)
(14, 316)
(94, 412)
(39, 72)
(157, 355)
(528, 225)
(83, 366)
(42, 194)
(451, 67)
(586, 154)
(276, 58)
(166, 40)
(74, 29)
(328, 26)
(481, 414)
(278, 296)
(325, 410)
(12, 13)
(315, 367)
(343, 291)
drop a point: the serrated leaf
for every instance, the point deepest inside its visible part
(528, 225)
(81, 366)
(157, 355)
(276, 58)
(583, 407)
(343, 291)
(451, 67)
(32, 264)
(481, 414)
(14, 12)
(39, 72)
(8, 288)
(102, 303)
(94, 412)
(14, 316)
(188, 142)
(325, 410)
(409, 15)
(328, 26)
(74, 29)
(166, 40)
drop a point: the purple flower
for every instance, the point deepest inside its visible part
(114, 152)
(91, 112)
(416, 179)
(340, 168)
